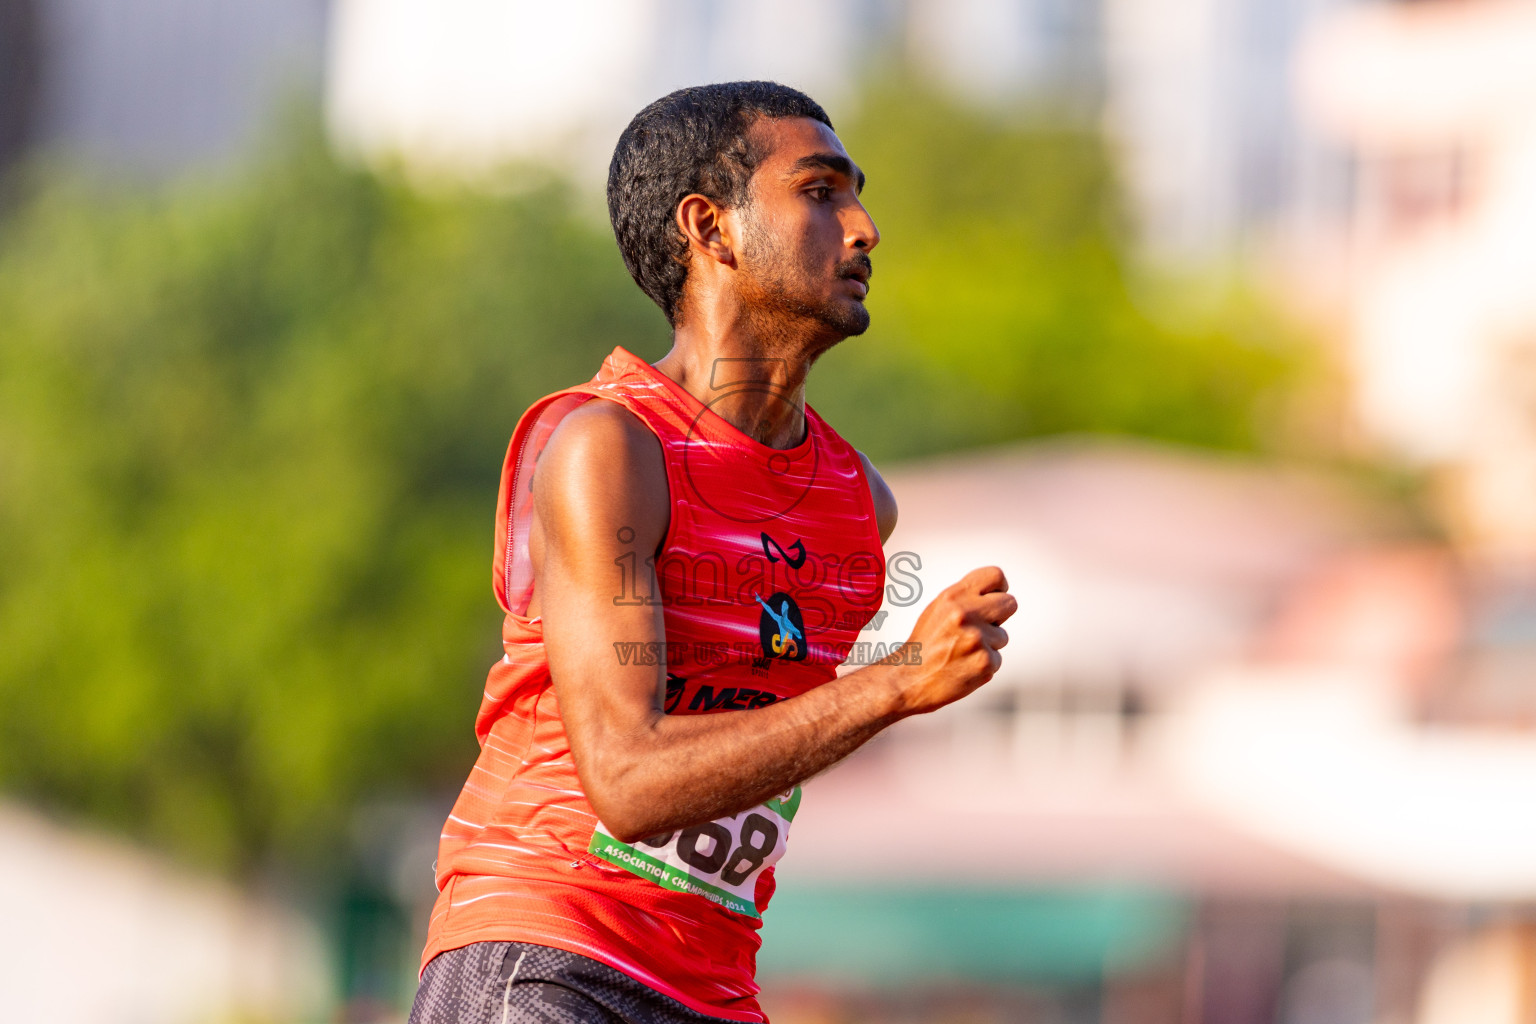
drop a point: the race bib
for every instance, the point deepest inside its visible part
(719, 860)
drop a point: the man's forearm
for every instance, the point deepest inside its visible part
(675, 771)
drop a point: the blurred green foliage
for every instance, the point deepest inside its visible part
(249, 442)
(250, 435)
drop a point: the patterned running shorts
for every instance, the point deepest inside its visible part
(520, 983)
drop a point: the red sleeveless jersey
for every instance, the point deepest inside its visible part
(771, 565)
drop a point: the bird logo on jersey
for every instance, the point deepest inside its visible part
(781, 628)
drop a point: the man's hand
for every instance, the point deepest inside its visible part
(959, 635)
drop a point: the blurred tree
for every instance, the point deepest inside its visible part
(250, 435)
(249, 442)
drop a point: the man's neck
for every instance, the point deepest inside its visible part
(753, 382)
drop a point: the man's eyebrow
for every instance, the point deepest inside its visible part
(834, 162)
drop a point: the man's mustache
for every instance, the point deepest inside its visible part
(852, 266)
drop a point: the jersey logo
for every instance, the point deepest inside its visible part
(781, 628)
(795, 562)
(675, 687)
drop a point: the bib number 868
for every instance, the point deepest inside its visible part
(707, 848)
(720, 860)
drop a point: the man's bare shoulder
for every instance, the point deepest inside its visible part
(602, 469)
(598, 425)
(885, 501)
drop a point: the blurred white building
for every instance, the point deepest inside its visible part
(93, 931)
(1382, 157)
(1196, 93)
(152, 86)
(995, 52)
(1436, 103)
(467, 85)
(1200, 104)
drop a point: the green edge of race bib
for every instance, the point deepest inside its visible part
(665, 875)
(787, 806)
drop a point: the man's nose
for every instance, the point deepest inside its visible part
(859, 231)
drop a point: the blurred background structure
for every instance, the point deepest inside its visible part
(1209, 320)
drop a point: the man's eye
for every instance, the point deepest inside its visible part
(822, 193)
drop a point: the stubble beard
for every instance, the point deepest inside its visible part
(775, 302)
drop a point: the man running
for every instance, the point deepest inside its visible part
(685, 553)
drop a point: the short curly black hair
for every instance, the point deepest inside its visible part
(692, 140)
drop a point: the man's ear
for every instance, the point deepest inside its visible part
(710, 230)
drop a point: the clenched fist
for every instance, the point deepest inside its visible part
(958, 637)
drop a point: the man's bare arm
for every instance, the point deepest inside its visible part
(600, 500)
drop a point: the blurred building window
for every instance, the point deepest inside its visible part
(1407, 192)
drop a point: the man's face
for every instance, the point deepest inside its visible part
(806, 237)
